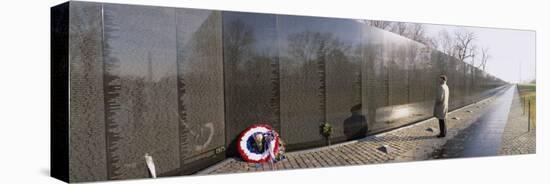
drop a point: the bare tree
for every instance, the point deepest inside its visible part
(417, 33)
(447, 43)
(464, 45)
(399, 28)
(239, 37)
(433, 43)
(308, 46)
(484, 58)
(472, 52)
(413, 31)
(386, 25)
(238, 40)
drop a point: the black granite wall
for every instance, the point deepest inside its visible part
(87, 128)
(200, 88)
(181, 84)
(59, 92)
(251, 73)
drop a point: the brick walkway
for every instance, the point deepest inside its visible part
(415, 142)
(516, 139)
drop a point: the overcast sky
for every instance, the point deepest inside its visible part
(510, 50)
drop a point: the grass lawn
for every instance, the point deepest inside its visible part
(528, 94)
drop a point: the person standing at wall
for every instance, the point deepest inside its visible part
(442, 104)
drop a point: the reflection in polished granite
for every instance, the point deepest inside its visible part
(87, 130)
(140, 89)
(200, 87)
(251, 74)
(320, 78)
(181, 84)
(302, 81)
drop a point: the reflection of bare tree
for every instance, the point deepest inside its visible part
(484, 57)
(251, 74)
(134, 122)
(411, 60)
(309, 46)
(243, 59)
(399, 28)
(313, 49)
(380, 24)
(447, 43)
(237, 40)
(315, 64)
(199, 84)
(465, 47)
(417, 33)
(413, 31)
(398, 69)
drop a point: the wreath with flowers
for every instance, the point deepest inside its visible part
(260, 143)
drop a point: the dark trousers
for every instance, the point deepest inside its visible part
(442, 128)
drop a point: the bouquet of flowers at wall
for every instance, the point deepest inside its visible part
(326, 131)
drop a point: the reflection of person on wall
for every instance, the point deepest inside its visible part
(441, 104)
(356, 125)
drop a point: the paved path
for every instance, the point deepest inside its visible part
(517, 139)
(483, 137)
(415, 142)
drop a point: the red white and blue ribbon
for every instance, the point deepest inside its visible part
(249, 150)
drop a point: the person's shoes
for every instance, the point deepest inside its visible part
(440, 136)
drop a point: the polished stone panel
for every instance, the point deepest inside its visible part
(87, 151)
(451, 81)
(140, 88)
(371, 41)
(302, 79)
(376, 72)
(476, 84)
(468, 90)
(395, 48)
(400, 109)
(459, 84)
(420, 104)
(200, 86)
(414, 78)
(479, 84)
(341, 56)
(251, 75)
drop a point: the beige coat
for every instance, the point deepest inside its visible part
(441, 102)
